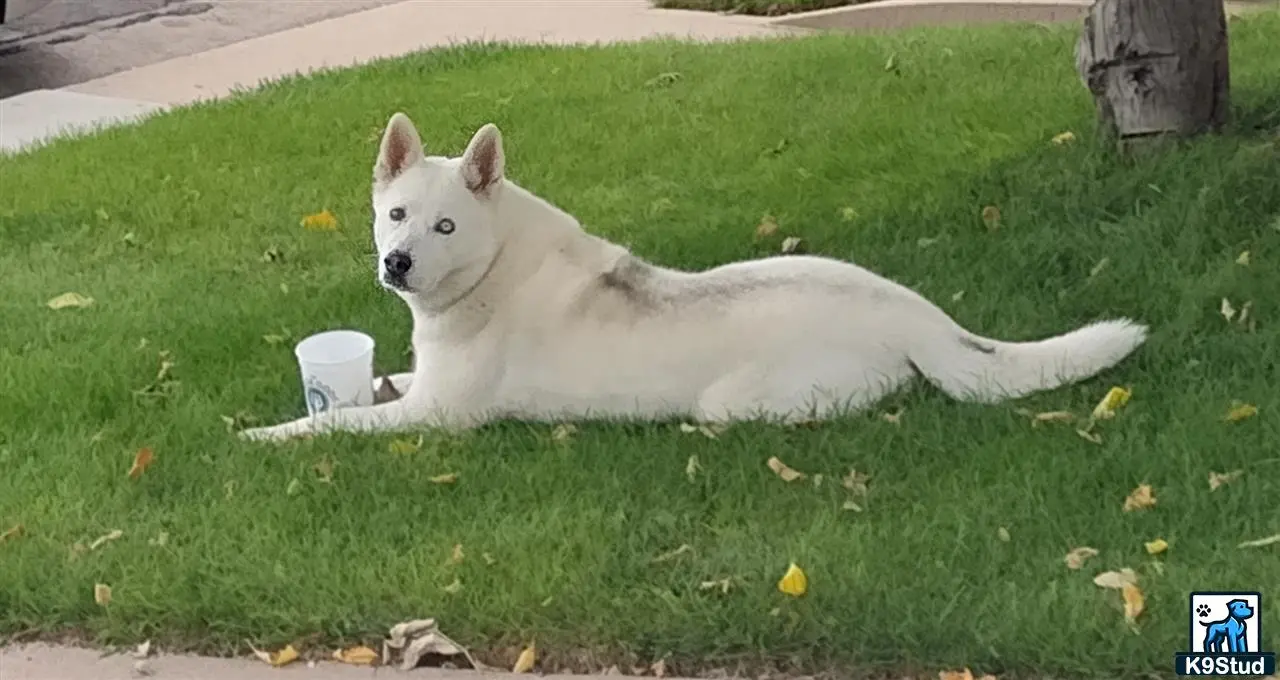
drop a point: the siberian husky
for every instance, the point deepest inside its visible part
(518, 313)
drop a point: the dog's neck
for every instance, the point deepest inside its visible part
(534, 235)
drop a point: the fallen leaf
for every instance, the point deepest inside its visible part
(664, 79)
(105, 538)
(448, 478)
(417, 638)
(1002, 533)
(1077, 557)
(455, 587)
(1260, 542)
(1101, 265)
(524, 662)
(1243, 259)
(991, 217)
(403, 447)
(161, 540)
(1227, 311)
(817, 480)
(1115, 398)
(723, 585)
(779, 468)
(12, 532)
(672, 554)
(1064, 138)
(856, 482)
(488, 559)
(1243, 319)
(564, 431)
(142, 651)
(273, 254)
(659, 668)
(141, 461)
(851, 506)
(293, 488)
(324, 470)
(894, 418)
(692, 467)
(1140, 498)
(1218, 479)
(1240, 411)
(1052, 417)
(708, 431)
(1156, 547)
(794, 582)
(102, 594)
(791, 244)
(768, 227)
(69, 301)
(274, 339)
(1134, 602)
(957, 296)
(1115, 580)
(321, 221)
(965, 674)
(925, 242)
(1090, 436)
(891, 64)
(456, 556)
(848, 214)
(281, 658)
(356, 656)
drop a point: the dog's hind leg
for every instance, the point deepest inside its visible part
(799, 388)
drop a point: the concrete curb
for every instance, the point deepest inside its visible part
(41, 115)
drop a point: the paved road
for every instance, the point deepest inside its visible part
(72, 41)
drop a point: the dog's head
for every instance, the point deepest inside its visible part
(1239, 609)
(434, 217)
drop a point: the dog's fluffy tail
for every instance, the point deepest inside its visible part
(972, 368)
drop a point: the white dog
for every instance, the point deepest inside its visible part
(518, 313)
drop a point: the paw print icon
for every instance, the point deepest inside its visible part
(1203, 610)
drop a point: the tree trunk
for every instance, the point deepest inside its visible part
(1156, 67)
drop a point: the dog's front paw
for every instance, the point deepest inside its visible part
(277, 433)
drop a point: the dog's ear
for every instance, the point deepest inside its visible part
(483, 164)
(401, 149)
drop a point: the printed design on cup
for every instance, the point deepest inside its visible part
(320, 397)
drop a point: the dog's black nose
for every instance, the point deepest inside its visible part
(398, 263)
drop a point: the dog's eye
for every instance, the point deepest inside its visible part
(445, 226)
(397, 214)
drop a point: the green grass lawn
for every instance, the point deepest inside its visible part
(957, 557)
(764, 7)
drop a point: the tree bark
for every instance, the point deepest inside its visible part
(1156, 67)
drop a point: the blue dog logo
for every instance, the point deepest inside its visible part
(1227, 635)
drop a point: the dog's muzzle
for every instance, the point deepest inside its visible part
(395, 269)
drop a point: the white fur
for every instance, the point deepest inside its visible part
(519, 313)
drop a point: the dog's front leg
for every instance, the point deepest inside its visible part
(388, 417)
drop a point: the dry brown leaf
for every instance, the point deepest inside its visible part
(894, 418)
(1260, 542)
(142, 651)
(1140, 498)
(722, 584)
(848, 214)
(659, 668)
(780, 468)
(1227, 311)
(102, 594)
(1065, 137)
(965, 674)
(284, 657)
(768, 227)
(1240, 411)
(324, 470)
(456, 556)
(524, 662)
(1002, 533)
(141, 461)
(1088, 436)
(454, 588)
(991, 217)
(414, 639)
(1078, 556)
(448, 478)
(12, 532)
(856, 482)
(1243, 259)
(692, 467)
(1134, 602)
(1156, 546)
(791, 244)
(672, 554)
(161, 540)
(105, 538)
(488, 559)
(321, 221)
(1115, 580)
(1218, 479)
(1052, 417)
(708, 431)
(356, 656)
(564, 431)
(69, 301)
(851, 506)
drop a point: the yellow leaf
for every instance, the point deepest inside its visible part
(102, 594)
(768, 227)
(1077, 557)
(141, 461)
(404, 446)
(445, 478)
(1243, 259)
(1217, 479)
(780, 468)
(965, 674)
(321, 221)
(794, 582)
(1260, 542)
(1134, 602)
(1115, 580)
(1156, 547)
(1116, 397)
(1002, 533)
(1064, 137)
(356, 656)
(284, 657)
(1240, 411)
(791, 244)
(991, 217)
(1140, 498)
(524, 663)
(14, 531)
(69, 301)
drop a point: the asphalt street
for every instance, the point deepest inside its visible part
(71, 41)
